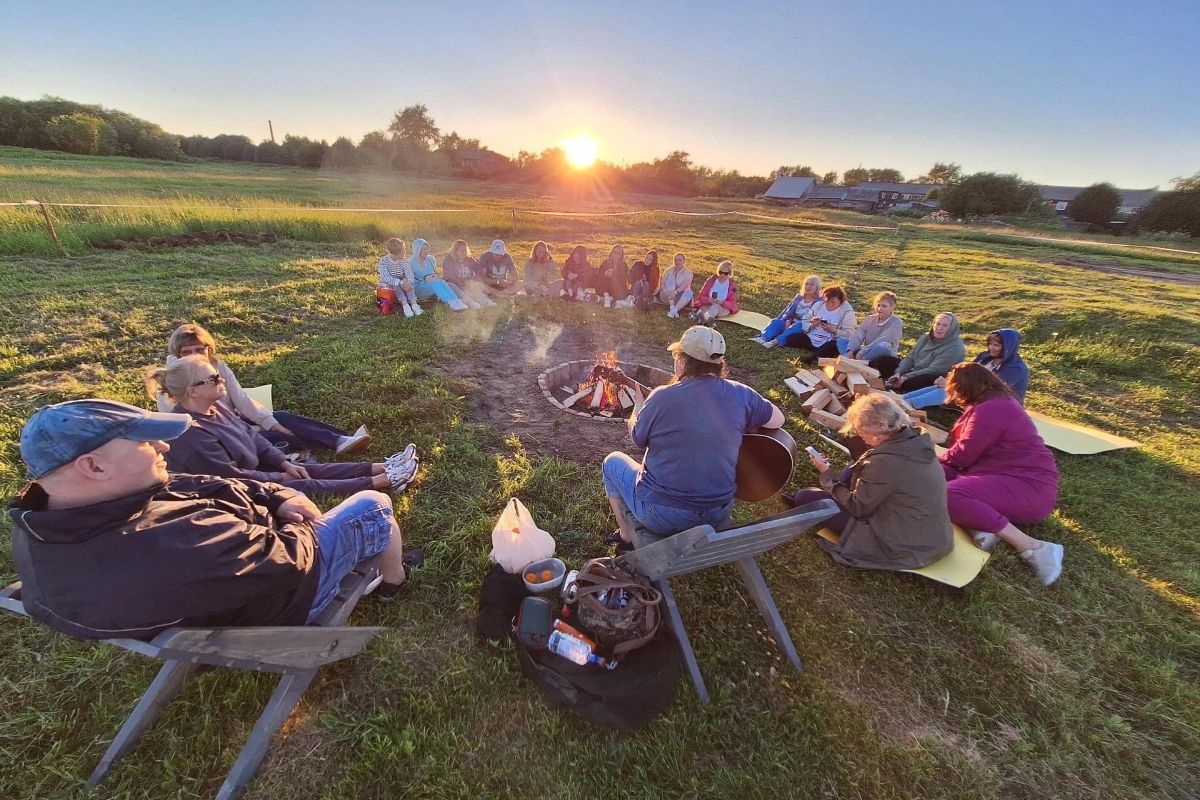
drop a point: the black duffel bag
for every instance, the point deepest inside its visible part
(640, 688)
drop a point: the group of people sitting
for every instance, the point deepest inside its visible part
(898, 500)
(198, 514)
(821, 321)
(466, 282)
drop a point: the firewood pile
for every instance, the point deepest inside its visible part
(830, 389)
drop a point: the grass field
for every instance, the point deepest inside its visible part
(1089, 689)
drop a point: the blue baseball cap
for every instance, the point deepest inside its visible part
(58, 434)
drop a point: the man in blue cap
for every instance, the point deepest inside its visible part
(107, 544)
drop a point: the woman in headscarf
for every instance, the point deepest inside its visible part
(938, 349)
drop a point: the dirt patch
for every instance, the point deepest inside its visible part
(1186, 278)
(502, 372)
(193, 239)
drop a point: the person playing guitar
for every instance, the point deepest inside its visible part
(692, 430)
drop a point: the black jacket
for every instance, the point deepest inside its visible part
(197, 551)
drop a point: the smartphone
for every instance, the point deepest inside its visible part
(812, 451)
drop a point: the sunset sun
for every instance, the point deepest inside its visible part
(580, 150)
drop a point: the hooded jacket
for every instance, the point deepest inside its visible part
(705, 297)
(896, 499)
(196, 551)
(1012, 369)
(647, 271)
(932, 356)
(421, 270)
(576, 267)
(616, 284)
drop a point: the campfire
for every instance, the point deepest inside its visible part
(601, 388)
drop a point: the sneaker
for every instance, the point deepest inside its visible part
(607, 301)
(403, 457)
(456, 304)
(758, 340)
(417, 311)
(672, 314)
(401, 474)
(359, 440)
(408, 312)
(1046, 561)
(771, 344)
(984, 540)
(388, 592)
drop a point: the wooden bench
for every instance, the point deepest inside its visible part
(296, 653)
(704, 546)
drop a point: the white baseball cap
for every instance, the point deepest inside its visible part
(701, 343)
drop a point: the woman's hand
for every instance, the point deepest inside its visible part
(406, 285)
(295, 470)
(819, 463)
(896, 381)
(940, 383)
(282, 429)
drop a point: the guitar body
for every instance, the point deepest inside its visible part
(765, 463)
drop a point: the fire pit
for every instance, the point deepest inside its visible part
(595, 389)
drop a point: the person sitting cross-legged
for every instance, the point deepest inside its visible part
(108, 544)
(692, 431)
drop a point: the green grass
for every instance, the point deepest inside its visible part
(1003, 690)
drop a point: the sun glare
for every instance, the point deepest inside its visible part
(581, 151)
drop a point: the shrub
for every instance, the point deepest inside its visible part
(988, 193)
(1172, 211)
(1096, 204)
(81, 133)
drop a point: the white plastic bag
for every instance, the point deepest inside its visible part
(517, 541)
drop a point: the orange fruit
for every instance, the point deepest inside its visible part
(547, 575)
(531, 577)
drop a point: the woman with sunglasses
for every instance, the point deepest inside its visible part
(220, 443)
(718, 298)
(291, 432)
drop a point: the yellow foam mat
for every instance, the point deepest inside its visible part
(1076, 439)
(748, 319)
(956, 569)
(262, 394)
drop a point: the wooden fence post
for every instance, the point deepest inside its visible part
(53, 233)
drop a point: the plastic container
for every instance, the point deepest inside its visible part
(557, 569)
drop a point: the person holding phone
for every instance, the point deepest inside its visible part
(718, 297)
(892, 499)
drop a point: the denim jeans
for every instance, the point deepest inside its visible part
(355, 529)
(873, 350)
(924, 398)
(620, 479)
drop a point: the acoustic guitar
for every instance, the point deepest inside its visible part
(765, 463)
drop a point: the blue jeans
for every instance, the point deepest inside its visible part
(620, 480)
(924, 398)
(778, 329)
(355, 529)
(873, 350)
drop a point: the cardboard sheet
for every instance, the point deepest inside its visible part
(956, 569)
(1077, 439)
(262, 394)
(748, 319)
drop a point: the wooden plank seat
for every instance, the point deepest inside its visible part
(661, 559)
(295, 652)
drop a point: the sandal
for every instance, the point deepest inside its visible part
(614, 539)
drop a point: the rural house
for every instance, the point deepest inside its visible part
(890, 195)
(1132, 200)
(481, 163)
(789, 190)
(850, 197)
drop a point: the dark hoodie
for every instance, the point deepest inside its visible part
(1012, 369)
(576, 266)
(896, 499)
(932, 356)
(197, 551)
(645, 270)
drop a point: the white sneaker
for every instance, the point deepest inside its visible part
(1046, 561)
(984, 540)
(400, 475)
(475, 306)
(417, 311)
(607, 301)
(456, 304)
(773, 343)
(758, 340)
(408, 312)
(403, 457)
(672, 313)
(359, 440)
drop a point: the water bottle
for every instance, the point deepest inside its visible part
(573, 649)
(568, 586)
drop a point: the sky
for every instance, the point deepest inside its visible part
(1059, 92)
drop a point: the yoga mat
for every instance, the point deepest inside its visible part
(958, 568)
(1076, 439)
(748, 319)
(261, 394)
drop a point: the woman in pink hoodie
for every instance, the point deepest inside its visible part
(998, 470)
(718, 298)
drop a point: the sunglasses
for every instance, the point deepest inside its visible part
(723, 272)
(213, 379)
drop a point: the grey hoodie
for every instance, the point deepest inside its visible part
(933, 356)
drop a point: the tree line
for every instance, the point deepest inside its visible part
(413, 142)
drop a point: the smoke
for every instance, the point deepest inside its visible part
(544, 337)
(469, 326)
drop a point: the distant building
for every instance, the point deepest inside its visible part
(889, 195)
(789, 190)
(1132, 200)
(482, 163)
(851, 197)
